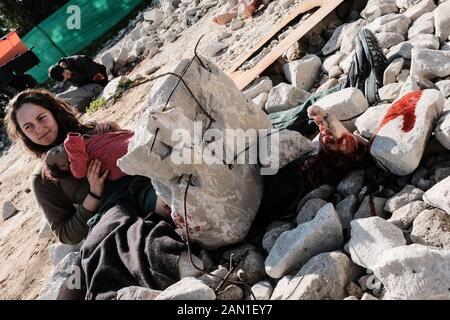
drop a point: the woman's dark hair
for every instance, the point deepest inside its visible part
(55, 72)
(64, 114)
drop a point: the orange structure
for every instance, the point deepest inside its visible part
(11, 46)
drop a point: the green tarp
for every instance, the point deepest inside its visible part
(56, 36)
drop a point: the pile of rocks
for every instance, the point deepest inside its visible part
(378, 233)
(150, 30)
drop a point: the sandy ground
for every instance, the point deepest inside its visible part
(25, 262)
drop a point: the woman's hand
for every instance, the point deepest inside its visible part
(96, 182)
(106, 126)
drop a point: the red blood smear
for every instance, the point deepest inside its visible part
(406, 108)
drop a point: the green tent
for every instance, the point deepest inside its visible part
(72, 28)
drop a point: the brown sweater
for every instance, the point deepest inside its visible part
(61, 203)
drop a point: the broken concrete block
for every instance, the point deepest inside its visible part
(303, 73)
(390, 91)
(427, 41)
(444, 87)
(333, 61)
(400, 140)
(261, 100)
(181, 133)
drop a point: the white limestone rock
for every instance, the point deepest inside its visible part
(309, 210)
(375, 9)
(273, 231)
(398, 23)
(403, 217)
(427, 41)
(442, 21)
(442, 131)
(392, 71)
(64, 282)
(444, 87)
(368, 123)
(111, 88)
(261, 85)
(137, 293)
(399, 145)
(325, 277)
(294, 248)
(189, 288)
(387, 40)
(407, 195)
(415, 272)
(349, 34)
(423, 25)
(262, 290)
(429, 63)
(285, 96)
(303, 73)
(390, 91)
(371, 206)
(370, 238)
(422, 7)
(439, 195)
(345, 104)
(431, 227)
(261, 100)
(281, 288)
(59, 251)
(333, 61)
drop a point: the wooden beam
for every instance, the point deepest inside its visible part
(243, 78)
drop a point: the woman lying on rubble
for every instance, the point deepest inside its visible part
(120, 238)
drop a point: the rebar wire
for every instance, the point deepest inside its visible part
(188, 243)
(154, 139)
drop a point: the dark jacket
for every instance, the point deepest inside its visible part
(84, 69)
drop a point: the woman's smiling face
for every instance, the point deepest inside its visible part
(37, 123)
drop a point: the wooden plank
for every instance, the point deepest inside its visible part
(243, 78)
